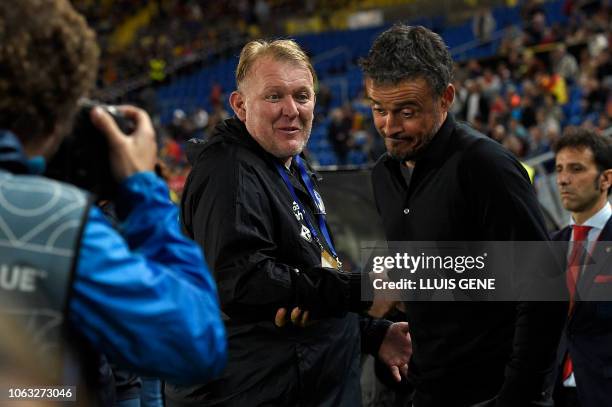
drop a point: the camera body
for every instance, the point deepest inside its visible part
(83, 157)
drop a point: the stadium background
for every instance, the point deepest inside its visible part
(524, 71)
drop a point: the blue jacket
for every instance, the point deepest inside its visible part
(144, 298)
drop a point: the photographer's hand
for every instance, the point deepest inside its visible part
(128, 154)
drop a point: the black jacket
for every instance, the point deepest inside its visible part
(237, 207)
(466, 187)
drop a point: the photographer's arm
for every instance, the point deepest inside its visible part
(146, 299)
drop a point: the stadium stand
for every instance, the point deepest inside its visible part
(535, 68)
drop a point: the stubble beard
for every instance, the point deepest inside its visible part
(414, 154)
(286, 153)
(587, 204)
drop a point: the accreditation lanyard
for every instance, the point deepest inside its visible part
(316, 198)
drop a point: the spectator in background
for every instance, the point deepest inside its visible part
(535, 28)
(199, 119)
(458, 109)
(564, 63)
(538, 144)
(528, 112)
(218, 115)
(490, 84)
(595, 95)
(476, 105)
(473, 68)
(597, 43)
(262, 12)
(483, 24)
(499, 133)
(324, 99)
(604, 123)
(603, 71)
(499, 111)
(514, 144)
(216, 95)
(180, 128)
(515, 128)
(339, 132)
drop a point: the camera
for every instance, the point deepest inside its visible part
(83, 157)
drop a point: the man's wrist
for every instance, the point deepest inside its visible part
(373, 334)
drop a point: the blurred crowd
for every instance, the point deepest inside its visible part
(146, 37)
(543, 77)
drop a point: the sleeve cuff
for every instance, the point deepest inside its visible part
(373, 333)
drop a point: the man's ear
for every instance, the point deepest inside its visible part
(237, 103)
(605, 180)
(45, 145)
(448, 96)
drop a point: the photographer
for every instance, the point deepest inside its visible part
(145, 299)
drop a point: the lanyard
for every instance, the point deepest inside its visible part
(314, 195)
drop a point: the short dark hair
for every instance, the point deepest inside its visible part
(48, 60)
(406, 52)
(578, 137)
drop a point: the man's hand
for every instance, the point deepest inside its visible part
(128, 154)
(396, 349)
(299, 317)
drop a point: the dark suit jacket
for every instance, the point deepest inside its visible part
(588, 335)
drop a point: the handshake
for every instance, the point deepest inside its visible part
(325, 292)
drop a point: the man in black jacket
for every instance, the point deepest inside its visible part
(463, 187)
(252, 203)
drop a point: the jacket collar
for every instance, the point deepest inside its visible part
(599, 219)
(231, 131)
(436, 152)
(234, 131)
(606, 233)
(566, 233)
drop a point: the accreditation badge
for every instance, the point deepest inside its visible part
(330, 261)
(319, 202)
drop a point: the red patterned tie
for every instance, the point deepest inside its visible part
(573, 273)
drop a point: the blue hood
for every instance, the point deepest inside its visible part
(12, 157)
